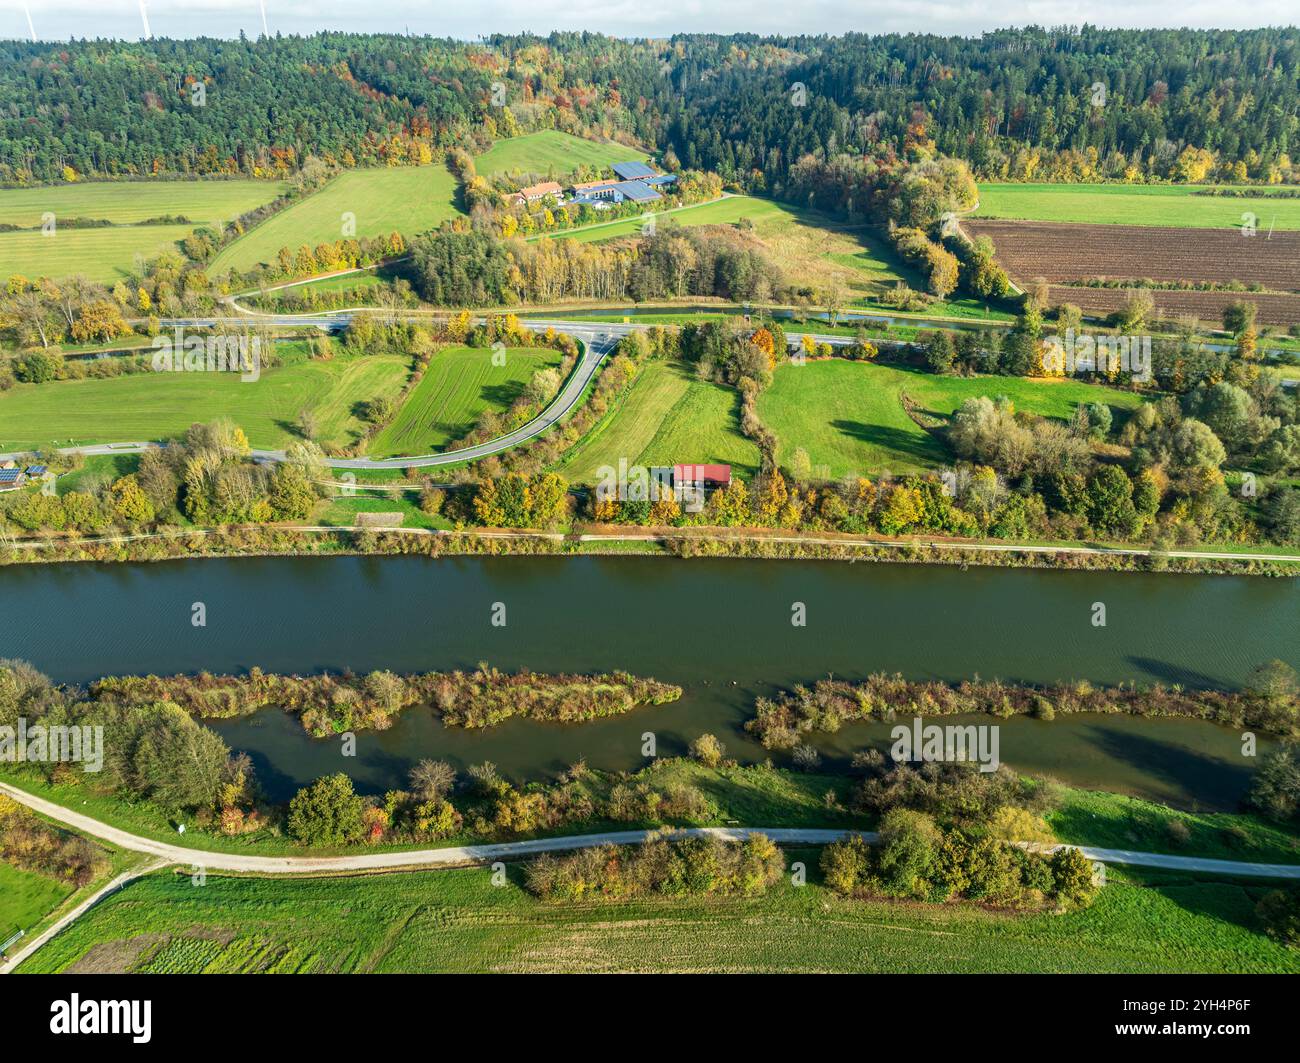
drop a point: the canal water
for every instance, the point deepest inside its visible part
(722, 629)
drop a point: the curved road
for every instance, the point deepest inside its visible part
(598, 340)
(452, 856)
(164, 853)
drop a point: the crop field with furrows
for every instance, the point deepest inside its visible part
(457, 920)
(1206, 307)
(1067, 255)
(1059, 252)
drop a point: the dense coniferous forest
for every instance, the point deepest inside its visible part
(1008, 102)
(1035, 103)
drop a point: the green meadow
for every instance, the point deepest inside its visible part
(666, 417)
(849, 416)
(109, 253)
(129, 202)
(458, 921)
(552, 152)
(1171, 205)
(106, 255)
(460, 383)
(26, 898)
(404, 199)
(726, 211)
(148, 406)
(342, 512)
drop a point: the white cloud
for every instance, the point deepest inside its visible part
(59, 19)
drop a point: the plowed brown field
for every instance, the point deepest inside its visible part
(1206, 307)
(1059, 252)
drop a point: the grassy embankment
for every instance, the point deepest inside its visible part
(457, 920)
(30, 900)
(761, 796)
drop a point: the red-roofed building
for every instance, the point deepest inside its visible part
(534, 193)
(702, 475)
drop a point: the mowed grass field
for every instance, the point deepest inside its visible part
(667, 417)
(1173, 205)
(148, 406)
(404, 199)
(850, 419)
(26, 898)
(126, 202)
(106, 254)
(342, 512)
(457, 921)
(460, 383)
(551, 151)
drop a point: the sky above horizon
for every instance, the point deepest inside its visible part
(61, 19)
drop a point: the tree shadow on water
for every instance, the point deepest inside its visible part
(1209, 785)
(1168, 672)
(1201, 781)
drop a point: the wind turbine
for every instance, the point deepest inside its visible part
(30, 28)
(262, 4)
(144, 17)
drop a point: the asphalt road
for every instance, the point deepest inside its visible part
(598, 340)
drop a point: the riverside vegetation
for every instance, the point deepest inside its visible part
(332, 704)
(161, 761)
(1272, 703)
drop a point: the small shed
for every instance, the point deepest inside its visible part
(702, 475)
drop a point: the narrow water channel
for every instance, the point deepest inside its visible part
(722, 629)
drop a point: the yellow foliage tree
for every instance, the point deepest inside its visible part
(99, 320)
